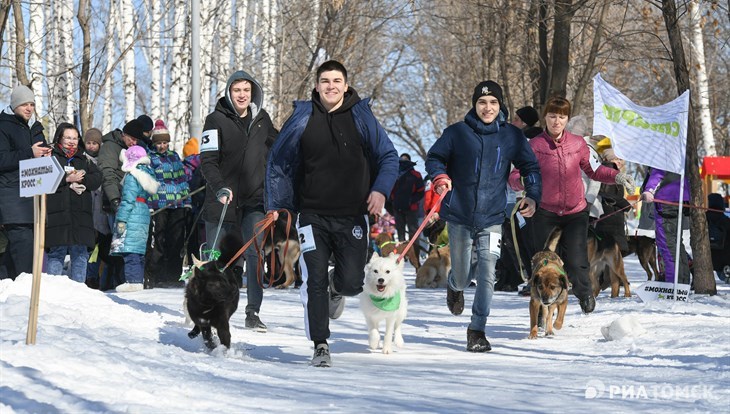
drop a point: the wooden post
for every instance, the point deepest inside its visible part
(39, 237)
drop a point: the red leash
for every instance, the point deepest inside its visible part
(423, 226)
(672, 203)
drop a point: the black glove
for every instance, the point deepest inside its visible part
(115, 205)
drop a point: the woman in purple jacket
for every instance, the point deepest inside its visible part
(664, 186)
(562, 155)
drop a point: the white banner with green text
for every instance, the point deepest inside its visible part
(654, 136)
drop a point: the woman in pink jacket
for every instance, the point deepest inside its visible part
(562, 155)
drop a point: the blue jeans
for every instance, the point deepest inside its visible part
(461, 239)
(79, 260)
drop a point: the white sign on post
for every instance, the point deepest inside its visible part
(652, 290)
(40, 176)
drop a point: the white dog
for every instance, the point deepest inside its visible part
(384, 298)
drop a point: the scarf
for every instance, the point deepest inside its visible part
(68, 151)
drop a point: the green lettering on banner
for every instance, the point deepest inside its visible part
(675, 129)
(628, 116)
(615, 114)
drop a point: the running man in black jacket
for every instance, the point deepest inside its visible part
(236, 140)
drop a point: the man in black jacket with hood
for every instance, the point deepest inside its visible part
(235, 143)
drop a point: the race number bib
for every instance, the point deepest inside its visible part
(306, 239)
(209, 140)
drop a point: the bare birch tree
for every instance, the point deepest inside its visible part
(179, 102)
(700, 69)
(154, 55)
(36, 28)
(112, 31)
(127, 16)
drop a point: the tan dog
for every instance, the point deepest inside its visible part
(548, 287)
(434, 272)
(385, 243)
(286, 245)
(604, 256)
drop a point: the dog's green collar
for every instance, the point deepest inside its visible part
(554, 266)
(386, 304)
(386, 243)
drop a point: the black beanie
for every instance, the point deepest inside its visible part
(134, 129)
(487, 88)
(528, 115)
(146, 122)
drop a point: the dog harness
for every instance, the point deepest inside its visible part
(386, 304)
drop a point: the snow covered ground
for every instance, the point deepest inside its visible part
(118, 353)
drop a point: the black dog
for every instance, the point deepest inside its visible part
(211, 296)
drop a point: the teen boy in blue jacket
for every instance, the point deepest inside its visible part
(472, 161)
(333, 164)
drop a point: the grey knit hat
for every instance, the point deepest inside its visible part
(21, 95)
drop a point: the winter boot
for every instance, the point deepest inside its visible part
(588, 304)
(254, 322)
(476, 341)
(454, 300)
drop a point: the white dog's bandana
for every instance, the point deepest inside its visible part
(386, 304)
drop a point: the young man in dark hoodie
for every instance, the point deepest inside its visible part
(333, 163)
(236, 140)
(472, 161)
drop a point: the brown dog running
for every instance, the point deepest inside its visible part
(434, 272)
(606, 265)
(548, 287)
(386, 245)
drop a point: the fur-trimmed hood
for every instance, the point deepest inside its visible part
(145, 178)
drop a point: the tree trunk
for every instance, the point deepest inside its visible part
(559, 58)
(36, 26)
(112, 32)
(703, 92)
(542, 33)
(66, 60)
(20, 71)
(586, 77)
(208, 18)
(179, 110)
(704, 280)
(4, 13)
(127, 15)
(155, 32)
(83, 17)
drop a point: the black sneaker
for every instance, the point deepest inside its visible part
(321, 356)
(455, 300)
(254, 322)
(476, 341)
(588, 304)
